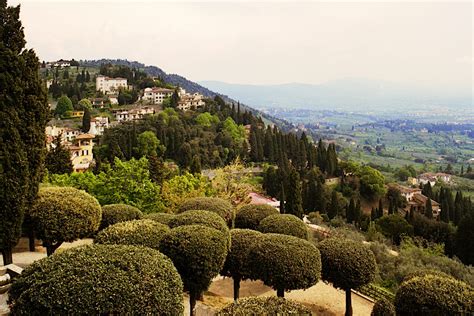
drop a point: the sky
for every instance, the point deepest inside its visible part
(426, 44)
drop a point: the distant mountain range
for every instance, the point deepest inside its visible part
(357, 95)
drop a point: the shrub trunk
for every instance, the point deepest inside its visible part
(348, 303)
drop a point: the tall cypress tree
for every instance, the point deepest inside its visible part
(86, 120)
(428, 209)
(294, 200)
(380, 209)
(24, 113)
(350, 213)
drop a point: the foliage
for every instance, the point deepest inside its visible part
(126, 182)
(465, 239)
(371, 182)
(64, 105)
(85, 104)
(149, 145)
(58, 158)
(63, 214)
(435, 231)
(183, 187)
(116, 213)
(144, 232)
(383, 307)
(346, 264)
(394, 227)
(206, 119)
(199, 217)
(286, 224)
(237, 132)
(249, 216)
(198, 253)
(434, 295)
(223, 208)
(24, 112)
(285, 262)
(231, 183)
(237, 261)
(163, 218)
(265, 306)
(99, 279)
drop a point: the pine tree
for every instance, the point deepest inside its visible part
(157, 169)
(24, 112)
(294, 201)
(282, 199)
(86, 120)
(334, 207)
(426, 190)
(351, 210)
(380, 209)
(174, 99)
(428, 209)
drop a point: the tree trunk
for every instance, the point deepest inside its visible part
(7, 256)
(236, 288)
(348, 303)
(192, 304)
(281, 292)
(51, 248)
(31, 239)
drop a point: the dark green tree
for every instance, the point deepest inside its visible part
(428, 209)
(58, 158)
(350, 213)
(24, 113)
(174, 99)
(64, 105)
(86, 121)
(294, 200)
(465, 239)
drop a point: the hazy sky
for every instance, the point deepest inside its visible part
(418, 43)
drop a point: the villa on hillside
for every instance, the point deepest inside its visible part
(432, 178)
(137, 113)
(81, 152)
(416, 201)
(156, 95)
(191, 101)
(110, 85)
(98, 125)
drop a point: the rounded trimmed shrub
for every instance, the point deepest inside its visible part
(424, 272)
(198, 253)
(434, 295)
(143, 232)
(285, 262)
(162, 218)
(116, 213)
(222, 207)
(237, 261)
(383, 307)
(285, 224)
(347, 264)
(63, 214)
(250, 216)
(265, 306)
(205, 218)
(99, 280)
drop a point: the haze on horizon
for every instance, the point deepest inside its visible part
(419, 44)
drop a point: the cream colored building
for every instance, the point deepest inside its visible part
(133, 114)
(191, 101)
(110, 85)
(81, 152)
(156, 95)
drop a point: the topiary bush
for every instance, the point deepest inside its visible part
(383, 307)
(347, 264)
(116, 213)
(250, 216)
(204, 218)
(162, 218)
(198, 252)
(424, 272)
(237, 261)
(143, 232)
(264, 306)
(285, 224)
(434, 295)
(285, 262)
(63, 214)
(99, 280)
(222, 207)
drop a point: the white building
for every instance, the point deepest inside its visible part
(156, 95)
(191, 101)
(133, 114)
(98, 125)
(110, 85)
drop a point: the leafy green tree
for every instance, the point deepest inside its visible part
(428, 209)
(58, 158)
(117, 213)
(465, 239)
(86, 121)
(237, 261)
(336, 205)
(394, 227)
(264, 306)
(236, 131)
(347, 264)
(85, 104)
(371, 182)
(99, 279)
(140, 232)
(63, 215)
(64, 105)
(24, 112)
(249, 216)
(285, 262)
(285, 224)
(198, 253)
(149, 145)
(434, 295)
(174, 99)
(206, 119)
(294, 199)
